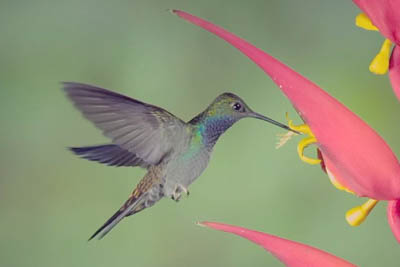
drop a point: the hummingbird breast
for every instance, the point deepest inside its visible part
(192, 156)
(188, 164)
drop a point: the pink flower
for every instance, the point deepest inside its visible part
(292, 254)
(394, 71)
(383, 16)
(393, 214)
(354, 156)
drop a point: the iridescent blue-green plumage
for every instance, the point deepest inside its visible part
(174, 152)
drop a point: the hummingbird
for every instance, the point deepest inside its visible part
(174, 152)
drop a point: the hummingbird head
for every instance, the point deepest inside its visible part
(231, 106)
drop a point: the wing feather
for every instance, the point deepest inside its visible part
(145, 130)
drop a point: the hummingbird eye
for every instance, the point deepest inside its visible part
(237, 106)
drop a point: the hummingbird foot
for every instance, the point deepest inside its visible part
(177, 194)
(184, 189)
(175, 197)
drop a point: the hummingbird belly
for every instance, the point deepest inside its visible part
(183, 172)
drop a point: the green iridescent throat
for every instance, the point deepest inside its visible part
(209, 128)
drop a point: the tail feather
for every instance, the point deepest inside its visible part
(112, 155)
(109, 221)
(147, 193)
(131, 206)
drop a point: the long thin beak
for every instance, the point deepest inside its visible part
(261, 117)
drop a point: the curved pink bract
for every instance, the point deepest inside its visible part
(393, 215)
(385, 14)
(358, 157)
(394, 71)
(292, 254)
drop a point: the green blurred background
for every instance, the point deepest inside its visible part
(51, 201)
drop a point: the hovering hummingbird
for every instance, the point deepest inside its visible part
(174, 152)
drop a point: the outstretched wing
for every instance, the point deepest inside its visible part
(145, 130)
(110, 154)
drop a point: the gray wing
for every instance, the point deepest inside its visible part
(110, 154)
(145, 130)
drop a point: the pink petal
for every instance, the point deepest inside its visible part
(292, 254)
(358, 157)
(385, 14)
(394, 71)
(393, 214)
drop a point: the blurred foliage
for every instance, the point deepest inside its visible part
(52, 201)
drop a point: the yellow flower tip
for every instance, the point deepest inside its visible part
(364, 22)
(302, 128)
(380, 64)
(357, 215)
(305, 142)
